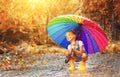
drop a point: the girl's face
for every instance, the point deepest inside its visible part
(70, 36)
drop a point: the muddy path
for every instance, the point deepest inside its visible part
(52, 65)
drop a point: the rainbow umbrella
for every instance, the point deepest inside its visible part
(93, 37)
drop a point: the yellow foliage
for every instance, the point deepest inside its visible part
(26, 15)
(113, 47)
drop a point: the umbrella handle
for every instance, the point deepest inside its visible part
(69, 57)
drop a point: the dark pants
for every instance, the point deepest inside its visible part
(74, 56)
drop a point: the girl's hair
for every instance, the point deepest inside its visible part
(71, 31)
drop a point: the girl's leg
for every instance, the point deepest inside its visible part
(72, 56)
(83, 62)
(71, 62)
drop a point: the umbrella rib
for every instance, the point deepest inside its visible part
(54, 27)
(94, 25)
(91, 41)
(61, 20)
(105, 39)
(96, 35)
(84, 41)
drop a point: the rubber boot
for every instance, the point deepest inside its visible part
(72, 66)
(82, 66)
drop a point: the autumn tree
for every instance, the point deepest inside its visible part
(104, 12)
(27, 19)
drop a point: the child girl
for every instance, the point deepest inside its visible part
(78, 55)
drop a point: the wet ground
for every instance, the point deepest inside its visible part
(52, 65)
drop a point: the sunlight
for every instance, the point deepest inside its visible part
(26, 9)
(34, 1)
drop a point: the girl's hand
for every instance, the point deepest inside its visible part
(78, 52)
(73, 48)
(73, 45)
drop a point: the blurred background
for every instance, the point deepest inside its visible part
(25, 21)
(24, 41)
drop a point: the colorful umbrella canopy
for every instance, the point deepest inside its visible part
(93, 37)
